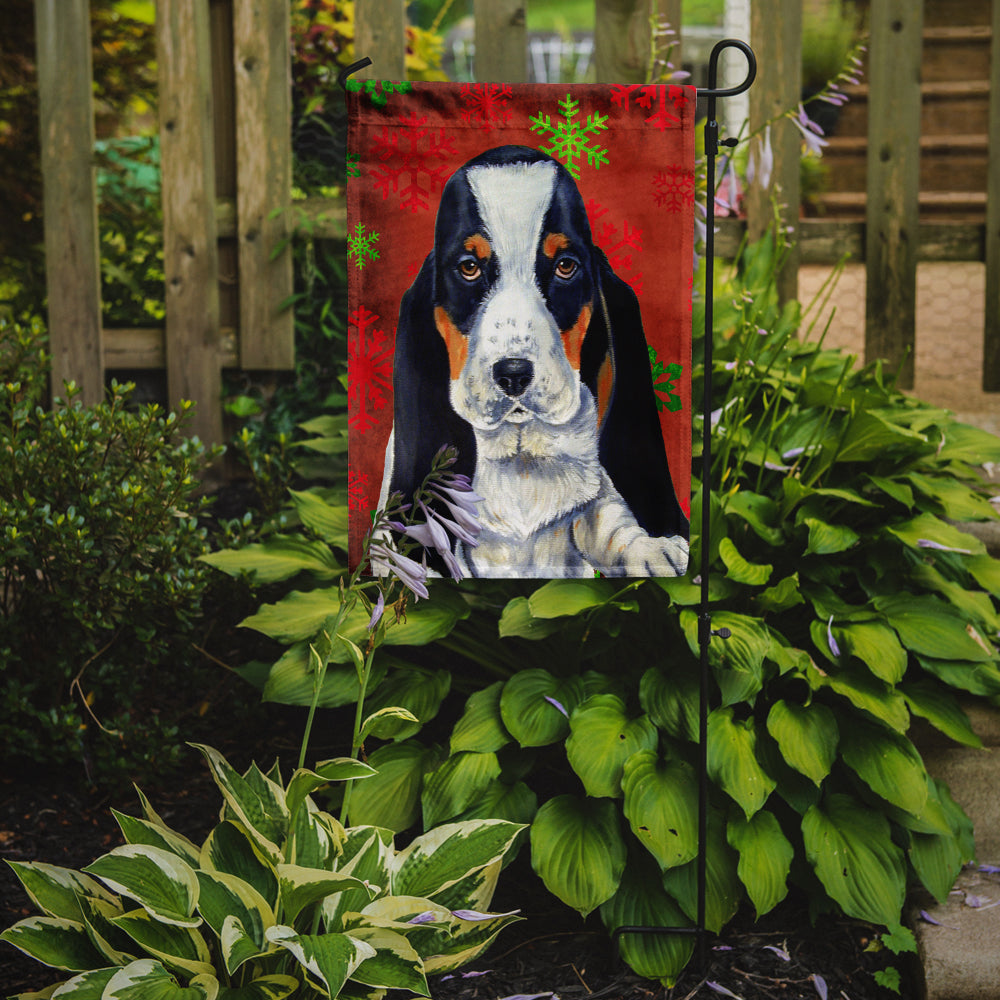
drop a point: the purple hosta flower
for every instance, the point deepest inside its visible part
(727, 198)
(461, 503)
(465, 975)
(760, 166)
(475, 915)
(719, 988)
(780, 952)
(558, 705)
(433, 535)
(989, 869)
(377, 611)
(820, 983)
(427, 917)
(927, 543)
(811, 132)
(834, 648)
(412, 575)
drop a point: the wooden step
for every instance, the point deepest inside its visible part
(956, 53)
(939, 13)
(958, 206)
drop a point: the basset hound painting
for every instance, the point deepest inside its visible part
(519, 344)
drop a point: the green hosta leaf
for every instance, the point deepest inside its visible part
(578, 851)
(141, 831)
(292, 680)
(976, 678)
(325, 519)
(738, 569)
(559, 598)
(850, 848)
(661, 806)
(517, 620)
(928, 528)
(330, 959)
(941, 709)
(869, 436)
(760, 512)
(516, 803)
(56, 891)
(641, 901)
(385, 723)
(957, 501)
(418, 691)
(147, 979)
(225, 897)
(279, 558)
(260, 809)
(876, 646)
(723, 889)
(937, 859)
(865, 692)
(828, 539)
(732, 760)
(965, 443)
(931, 628)
(301, 887)
(738, 661)
(807, 736)
(602, 738)
(54, 941)
(530, 706)
(456, 784)
(671, 700)
(481, 728)
(180, 948)
(159, 881)
(783, 595)
(230, 849)
(391, 798)
(986, 572)
(438, 859)
(893, 488)
(975, 605)
(888, 763)
(274, 987)
(395, 964)
(765, 858)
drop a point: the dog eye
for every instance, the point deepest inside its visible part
(469, 269)
(566, 267)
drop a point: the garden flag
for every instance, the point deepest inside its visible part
(520, 275)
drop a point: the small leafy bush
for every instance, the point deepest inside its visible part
(280, 899)
(101, 584)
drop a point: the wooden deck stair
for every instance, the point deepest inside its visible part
(955, 93)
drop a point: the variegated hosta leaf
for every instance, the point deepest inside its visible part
(481, 727)
(850, 847)
(642, 902)
(468, 939)
(275, 987)
(661, 805)
(230, 849)
(395, 964)
(56, 891)
(602, 737)
(86, 986)
(304, 782)
(535, 706)
(300, 887)
(475, 891)
(315, 838)
(418, 691)
(441, 857)
(578, 851)
(177, 947)
(54, 941)
(225, 897)
(367, 854)
(765, 858)
(807, 736)
(158, 880)
(116, 946)
(256, 801)
(456, 784)
(147, 979)
(141, 831)
(329, 959)
(732, 760)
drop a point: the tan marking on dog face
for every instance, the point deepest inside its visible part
(479, 245)
(605, 382)
(553, 243)
(454, 341)
(573, 337)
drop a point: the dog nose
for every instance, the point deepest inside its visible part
(513, 375)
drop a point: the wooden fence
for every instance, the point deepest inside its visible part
(226, 160)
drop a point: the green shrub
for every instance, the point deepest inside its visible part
(99, 542)
(280, 899)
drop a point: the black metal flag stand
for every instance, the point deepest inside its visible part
(705, 631)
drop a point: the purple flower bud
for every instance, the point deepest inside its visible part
(377, 611)
(834, 648)
(411, 574)
(427, 917)
(820, 983)
(558, 705)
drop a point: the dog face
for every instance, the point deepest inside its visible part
(515, 280)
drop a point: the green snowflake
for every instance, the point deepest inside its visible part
(353, 165)
(378, 91)
(361, 245)
(570, 137)
(664, 388)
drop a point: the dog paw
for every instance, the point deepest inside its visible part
(648, 556)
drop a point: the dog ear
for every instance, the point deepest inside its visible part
(630, 443)
(423, 418)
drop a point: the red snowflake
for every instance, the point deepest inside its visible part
(650, 94)
(369, 369)
(617, 246)
(673, 188)
(357, 489)
(486, 104)
(413, 161)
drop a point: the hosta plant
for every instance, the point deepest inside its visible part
(279, 900)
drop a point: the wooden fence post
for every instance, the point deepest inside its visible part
(991, 332)
(72, 255)
(621, 40)
(262, 61)
(501, 41)
(190, 251)
(380, 34)
(892, 215)
(776, 35)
